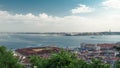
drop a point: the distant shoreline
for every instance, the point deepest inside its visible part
(65, 33)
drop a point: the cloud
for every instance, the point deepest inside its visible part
(115, 4)
(82, 9)
(47, 23)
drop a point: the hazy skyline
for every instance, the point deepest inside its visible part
(59, 15)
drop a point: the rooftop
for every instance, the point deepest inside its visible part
(37, 50)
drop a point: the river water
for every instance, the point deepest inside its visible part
(15, 41)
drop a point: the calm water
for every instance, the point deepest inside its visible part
(35, 40)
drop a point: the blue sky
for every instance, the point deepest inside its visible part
(59, 15)
(52, 7)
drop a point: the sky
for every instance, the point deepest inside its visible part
(59, 15)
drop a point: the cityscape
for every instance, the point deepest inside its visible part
(59, 33)
(104, 52)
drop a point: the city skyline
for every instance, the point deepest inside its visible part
(59, 15)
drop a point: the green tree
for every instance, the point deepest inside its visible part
(117, 64)
(98, 64)
(38, 61)
(78, 64)
(7, 60)
(65, 59)
(61, 60)
(117, 48)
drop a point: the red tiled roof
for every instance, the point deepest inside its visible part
(37, 51)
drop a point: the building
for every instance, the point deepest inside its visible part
(24, 53)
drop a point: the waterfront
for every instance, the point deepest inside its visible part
(35, 40)
(106, 53)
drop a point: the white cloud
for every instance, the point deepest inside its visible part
(82, 9)
(46, 23)
(111, 4)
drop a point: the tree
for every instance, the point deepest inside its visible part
(38, 61)
(98, 64)
(117, 48)
(65, 59)
(117, 64)
(7, 60)
(60, 60)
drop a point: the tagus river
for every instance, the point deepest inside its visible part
(35, 40)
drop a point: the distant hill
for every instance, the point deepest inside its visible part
(65, 33)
